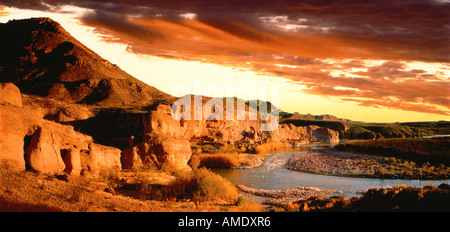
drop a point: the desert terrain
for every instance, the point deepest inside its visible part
(78, 134)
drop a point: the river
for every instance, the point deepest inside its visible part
(273, 175)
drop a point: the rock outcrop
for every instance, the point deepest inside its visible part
(158, 150)
(10, 94)
(72, 161)
(309, 133)
(160, 121)
(43, 154)
(12, 133)
(99, 157)
(29, 142)
(326, 135)
(137, 134)
(109, 157)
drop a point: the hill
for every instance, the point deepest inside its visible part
(43, 59)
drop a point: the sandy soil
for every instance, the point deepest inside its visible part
(26, 191)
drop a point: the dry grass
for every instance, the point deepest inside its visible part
(224, 160)
(26, 191)
(198, 190)
(30, 192)
(199, 185)
(270, 147)
(246, 204)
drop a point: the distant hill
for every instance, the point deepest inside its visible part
(310, 117)
(43, 59)
(398, 130)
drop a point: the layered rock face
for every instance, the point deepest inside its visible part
(158, 150)
(43, 154)
(165, 140)
(29, 142)
(12, 128)
(99, 157)
(309, 133)
(172, 136)
(160, 121)
(72, 161)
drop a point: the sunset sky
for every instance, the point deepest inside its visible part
(374, 61)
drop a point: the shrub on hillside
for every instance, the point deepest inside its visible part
(199, 185)
(214, 161)
(269, 147)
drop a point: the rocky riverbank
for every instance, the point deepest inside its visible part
(339, 163)
(332, 162)
(285, 196)
(391, 199)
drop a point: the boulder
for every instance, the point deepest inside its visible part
(70, 114)
(10, 94)
(43, 153)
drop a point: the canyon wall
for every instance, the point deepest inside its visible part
(86, 141)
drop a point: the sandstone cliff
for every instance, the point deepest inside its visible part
(30, 142)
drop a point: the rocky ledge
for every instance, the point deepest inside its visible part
(286, 196)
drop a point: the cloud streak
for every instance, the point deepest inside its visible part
(323, 45)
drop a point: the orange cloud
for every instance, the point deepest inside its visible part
(319, 43)
(3, 11)
(236, 44)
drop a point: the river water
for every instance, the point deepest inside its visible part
(273, 175)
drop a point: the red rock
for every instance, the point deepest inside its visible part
(10, 94)
(12, 134)
(72, 161)
(100, 157)
(43, 154)
(159, 150)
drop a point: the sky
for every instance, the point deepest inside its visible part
(373, 61)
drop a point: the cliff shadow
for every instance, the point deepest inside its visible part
(110, 129)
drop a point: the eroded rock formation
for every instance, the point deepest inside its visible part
(30, 142)
(43, 154)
